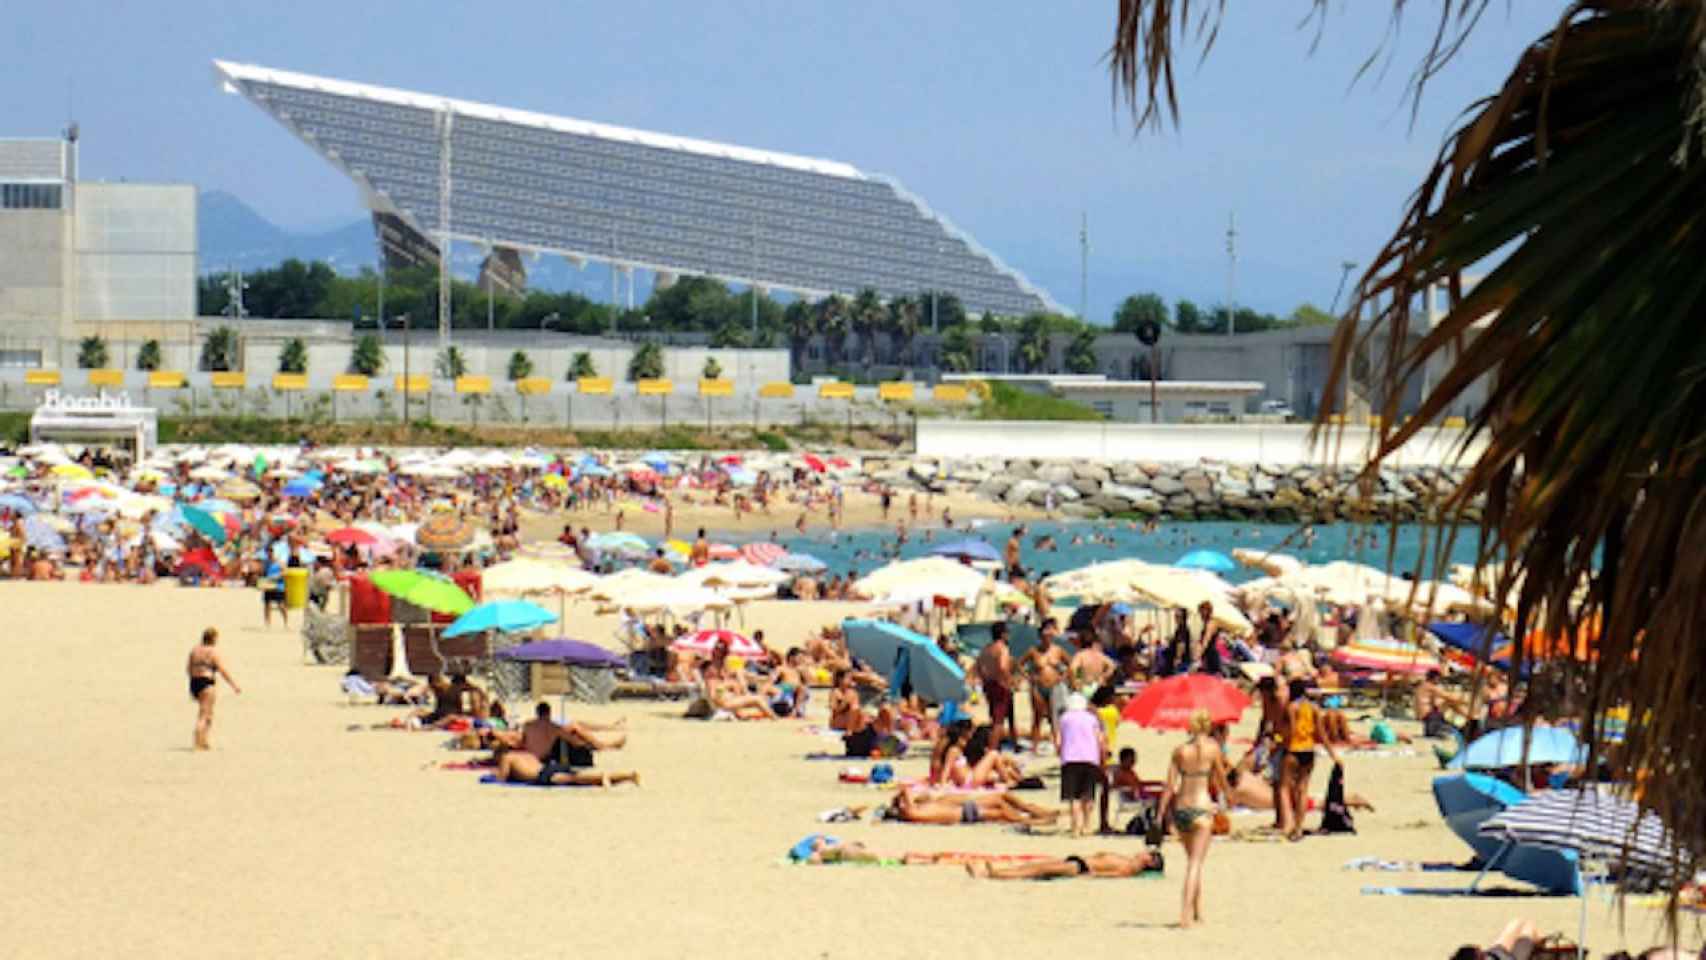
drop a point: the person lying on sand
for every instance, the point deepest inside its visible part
(1103, 865)
(519, 766)
(1252, 792)
(968, 808)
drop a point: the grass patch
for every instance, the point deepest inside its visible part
(257, 431)
(14, 429)
(1008, 402)
(775, 443)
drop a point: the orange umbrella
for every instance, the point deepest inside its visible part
(1540, 645)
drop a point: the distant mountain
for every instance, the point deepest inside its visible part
(234, 236)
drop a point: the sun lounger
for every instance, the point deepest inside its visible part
(371, 654)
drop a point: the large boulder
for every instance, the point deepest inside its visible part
(1082, 511)
(1020, 470)
(1128, 494)
(1085, 486)
(994, 487)
(1022, 490)
(1091, 471)
(1197, 482)
(1151, 468)
(1166, 486)
(1150, 507)
(1109, 504)
(1066, 493)
(1055, 473)
(1131, 476)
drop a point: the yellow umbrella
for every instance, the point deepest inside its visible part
(555, 481)
(72, 471)
(679, 546)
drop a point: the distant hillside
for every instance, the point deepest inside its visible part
(234, 236)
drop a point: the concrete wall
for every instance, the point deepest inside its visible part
(1170, 443)
(136, 252)
(34, 250)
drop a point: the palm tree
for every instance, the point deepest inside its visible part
(1576, 190)
(219, 350)
(450, 364)
(367, 358)
(1081, 352)
(92, 354)
(581, 365)
(646, 363)
(866, 318)
(148, 355)
(294, 357)
(520, 366)
(956, 349)
(1033, 343)
(802, 324)
(832, 322)
(906, 319)
(712, 370)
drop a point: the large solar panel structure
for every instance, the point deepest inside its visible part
(513, 180)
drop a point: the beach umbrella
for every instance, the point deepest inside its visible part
(72, 471)
(678, 547)
(529, 575)
(1540, 645)
(427, 591)
(209, 474)
(1385, 655)
(905, 656)
(554, 481)
(677, 598)
(657, 460)
(17, 503)
(923, 577)
(741, 477)
(762, 554)
(445, 530)
(631, 581)
(722, 551)
(704, 642)
(40, 535)
(302, 486)
(1212, 560)
(1471, 638)
(577, 653)
(351, 537)
(971, 548)
(618, 542)
(1595, 824)
(17, 472)
(239, 491)
(592, 470)
(504, 616)
(1175, 587)
(1272, 564)
(216, 505)
(736, 574)
(1508, 747)
(800, 563)
(205, 522)
(1168, 704)
(813, 463)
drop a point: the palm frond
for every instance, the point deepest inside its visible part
(1580, 184)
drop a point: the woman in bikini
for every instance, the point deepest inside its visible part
(205, 667)
(1197, 768)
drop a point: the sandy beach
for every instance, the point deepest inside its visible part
(298, 836)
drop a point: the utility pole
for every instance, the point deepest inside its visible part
(1231, 274)
(1084, 266)
(1345, 268)
(754, 281)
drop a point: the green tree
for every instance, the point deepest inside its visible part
(581, 365)
(990, 325)
(646, 363)
(367, 358)
(905, 320)
(148, 355)
(713, 370)
(1564, 189)
(294, 357)
(1033, 351)
(1138, 309)
(520, 366)
(802, 326)
(219, 350)
(92, 353)
(729, 336)
(1188, 318)
(1309, 315)
(450, 364)
(833, 324)
(865, 316)
(948, 310)
(1081, 352)
(957, 350)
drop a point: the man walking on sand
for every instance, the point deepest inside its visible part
(995, 669)
(204, 668)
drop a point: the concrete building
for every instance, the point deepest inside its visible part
(77, 259)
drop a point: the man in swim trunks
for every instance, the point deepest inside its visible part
(995, 669)
(519, 766)
(1101, 865)
(949, 809)
(1044, 666)
(1270, 739)
(205, 666)
(1090, 667)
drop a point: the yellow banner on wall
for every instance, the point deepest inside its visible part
(950, 393)
(417, 383)
(776, 391)
(106, 378)
(655, 388)
(594, 386)
(41, 378)
(166, 380)
(290, 381)
(835, 390)
(473, 384)
(528, 386)
(230, 380)
(716, 388)
(899, 390)
(350, 383)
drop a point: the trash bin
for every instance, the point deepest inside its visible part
(295, 588)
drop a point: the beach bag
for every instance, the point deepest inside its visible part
(1222, 823)
(1335, 816)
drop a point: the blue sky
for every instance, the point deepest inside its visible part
(997, 112)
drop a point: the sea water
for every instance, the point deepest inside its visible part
(1081, 543)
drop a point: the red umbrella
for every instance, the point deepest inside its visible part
(813, 463)
(839, 463)
(351, 537)
(722, 551)
(706, 641)
(730, 460)
(1168, 704)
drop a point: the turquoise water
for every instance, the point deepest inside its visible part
(865, 550)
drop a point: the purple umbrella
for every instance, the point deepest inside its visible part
(574, 652)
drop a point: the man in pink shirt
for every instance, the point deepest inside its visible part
(1081, 745)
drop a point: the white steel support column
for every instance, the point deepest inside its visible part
(445, 117)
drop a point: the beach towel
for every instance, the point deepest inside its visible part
(492, 779)
(1405, 866)
(466, 765)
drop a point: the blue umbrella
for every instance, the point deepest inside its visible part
(1505, 748)
(1469, 637)
(1206, 560)
(800, 563)
(657, 460)
(591, 470)
(41, 536)
(507, 616)
(573, 652)
(1467, 801)
(618, 542)
(968, 549)
(17, 504)
(301, 487)
(901, 653)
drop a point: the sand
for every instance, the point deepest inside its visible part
(298, 837)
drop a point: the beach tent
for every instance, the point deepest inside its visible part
(1467, 801)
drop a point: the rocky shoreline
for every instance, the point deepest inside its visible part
(1205, 490)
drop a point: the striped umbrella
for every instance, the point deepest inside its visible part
(1596, 825)
(705, 641)
(763, 554)
(1385, 655)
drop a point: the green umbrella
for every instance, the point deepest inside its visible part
(425, 591)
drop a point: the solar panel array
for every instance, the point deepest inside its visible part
(638, 199)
